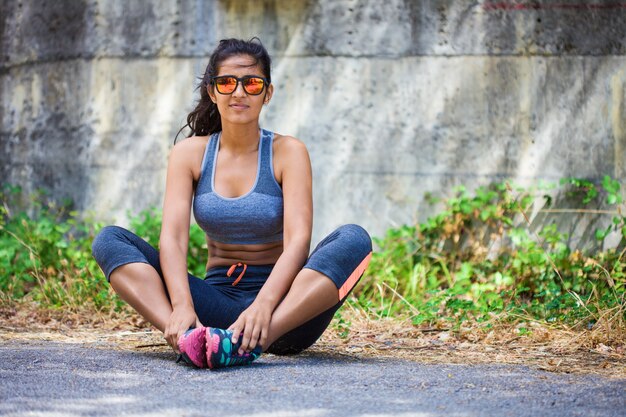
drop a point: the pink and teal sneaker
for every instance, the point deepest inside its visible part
(221, 352)
(192, 347)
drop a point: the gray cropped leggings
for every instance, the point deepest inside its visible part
(342, 256)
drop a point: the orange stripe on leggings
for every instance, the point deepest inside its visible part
(354, 277)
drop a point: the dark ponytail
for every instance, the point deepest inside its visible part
(205, 118)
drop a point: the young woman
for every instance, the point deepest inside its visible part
(250, 190)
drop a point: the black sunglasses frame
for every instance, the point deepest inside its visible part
(242, 81)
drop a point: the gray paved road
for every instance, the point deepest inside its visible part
(48, 379)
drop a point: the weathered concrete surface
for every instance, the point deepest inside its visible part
(49, 379)
(392, 100)
(484, 120)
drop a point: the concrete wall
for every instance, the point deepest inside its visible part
(394, 99)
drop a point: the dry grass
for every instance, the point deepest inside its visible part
(550, 349)
(546, 348)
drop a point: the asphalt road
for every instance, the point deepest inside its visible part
(52, 379)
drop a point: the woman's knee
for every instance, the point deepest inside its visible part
(357, 237)
(105, 240)
(115, 246)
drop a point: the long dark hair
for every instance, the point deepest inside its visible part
(205, 118)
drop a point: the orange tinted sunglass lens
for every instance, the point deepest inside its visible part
(226, 85)
(253, 85)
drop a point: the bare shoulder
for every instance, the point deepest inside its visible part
(289, 147)
(290, 155)
(188, 153)
(189, 147)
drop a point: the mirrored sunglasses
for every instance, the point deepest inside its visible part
(227, 84)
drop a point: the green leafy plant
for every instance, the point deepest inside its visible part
(480, 257)
(45, 253)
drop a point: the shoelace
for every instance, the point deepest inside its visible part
(232, 269)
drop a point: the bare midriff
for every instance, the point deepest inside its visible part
(223, 254)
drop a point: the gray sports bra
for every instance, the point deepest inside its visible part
(255, 217)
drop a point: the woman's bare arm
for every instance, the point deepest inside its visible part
(297, 223)
(174, 237)
(296, 178)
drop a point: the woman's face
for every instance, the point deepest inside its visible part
(240, 107)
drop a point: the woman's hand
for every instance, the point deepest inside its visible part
(254, 324)
(181, 319)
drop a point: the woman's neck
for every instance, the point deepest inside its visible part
(240, 138)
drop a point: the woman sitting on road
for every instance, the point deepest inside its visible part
(250, 191)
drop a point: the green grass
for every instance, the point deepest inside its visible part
(481, 257)
(46, 256)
